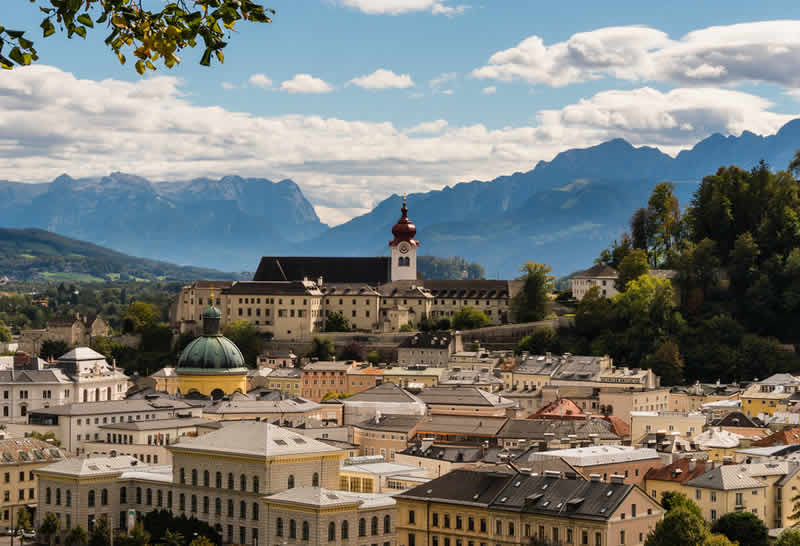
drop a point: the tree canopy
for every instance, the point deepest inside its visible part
(152, 36)
(532, 303)
(335, 322)
(468, 318)
(742, 527)
(322, 348)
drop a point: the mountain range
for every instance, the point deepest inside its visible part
(563, 212)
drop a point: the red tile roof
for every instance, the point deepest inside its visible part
(785, 437)
(678, 471)
(618, 426)
(558, 409)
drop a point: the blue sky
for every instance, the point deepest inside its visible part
(502, 102)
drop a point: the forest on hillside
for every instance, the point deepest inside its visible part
(732, 310)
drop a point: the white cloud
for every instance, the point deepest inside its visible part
(491, 90)
(439, 81)
(53, 123)
(260, 80)
(447, 92)
(429, 127)
(397, 7)
(761, 51)
(306, 83)
(228, 86)
(383, 79)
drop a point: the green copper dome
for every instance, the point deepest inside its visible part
(211, 353)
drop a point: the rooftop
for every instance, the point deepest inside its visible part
(741, 476)
(383, 393)
(391, 423)
(158, 424)
(428, 340)
(600, 455)
(680, 471)
(331, 270)
(319, 497)
(111, 406)
(455, 424)
(257, 439)
(92, 466)
(463, 396)
(27, 450)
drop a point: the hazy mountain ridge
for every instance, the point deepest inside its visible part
(562, 212)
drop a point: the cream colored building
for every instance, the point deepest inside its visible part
(19, 459)
(687, 425)
(376, 475)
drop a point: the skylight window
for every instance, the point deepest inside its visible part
(281, 442)
(504, 499)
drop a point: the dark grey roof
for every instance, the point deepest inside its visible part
(332, 270)
(453, 454)
(32, 376)
(550, 495)
(736, 419)
(535, 429)
(599, 270)
(428, 340)
(460, 396)
(457, 424)
(393, 423)
(291, 288)
(467, 289)
(385, 392)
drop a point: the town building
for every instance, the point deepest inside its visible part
(429, 349)
(544, 434)
(673, 477)
(289, 297)
(384, 399)
(466, 401)
(385, 434)
(413, 377)
(147, 440)
(605, 461)
(376, 475)
(286, 411)
(19, 458)
(75, 425)
(482, 378)
(687, 425)
(81, 375)
(469, 506)
(605, 279)
(461, 430)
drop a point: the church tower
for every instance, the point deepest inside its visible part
(404, 248)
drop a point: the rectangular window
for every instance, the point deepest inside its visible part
(411, 519)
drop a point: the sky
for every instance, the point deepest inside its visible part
(356, 100)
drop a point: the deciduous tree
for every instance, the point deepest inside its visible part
(469, 318)
(742, 527)
(533, 301)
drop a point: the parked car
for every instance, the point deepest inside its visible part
(29, 534)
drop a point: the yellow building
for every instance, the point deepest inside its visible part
(286, 380)
(474, 507)
(212, 364)
(758, 399)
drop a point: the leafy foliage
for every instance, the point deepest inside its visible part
(352, 351)
(158, 522)
(137, 536)
(322, 348)
(53, 348)
(455, 268)
(532, 302)
(742, 527)
(468, 318)
(100, 535)
(152, 36)
(5, 333)
(246, 337)
(790, 537)
(76, 537)
(673, 500)
(679, 526)
(50, 526)
(632, 266)
(542, 340)
(335, 322)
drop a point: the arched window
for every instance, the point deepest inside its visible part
(230, 508)
(255, 511)
(219, 480)
(279, 527)
(306, 532)
(362, 527)
(206, 504)
(123, 495)
(181, 502)
(182, 475)
(218, 506)
(48, 496)
(194, 476)
(345, 534)
(292, 529)
(242, 510)
(206, 478)
(331, 532)
(291, 481)
(374, 526)
(138, 495)
(255, 484)
(104, 497)
(91, 498)
(68, 498)
(194, 503)
(315, 480)
(387, 524)
(159, 497)
(243, 482)
(148, 497)
(230, 480)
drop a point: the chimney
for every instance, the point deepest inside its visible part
(595, 477)
(552, 474)
(617, 478)
(727, 459)
(21, 359)
(548, 357)
(692, 464)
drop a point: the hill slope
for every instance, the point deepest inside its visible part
(29, 254)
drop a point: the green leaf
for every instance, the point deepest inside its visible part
(47, 28)
(102, 18)
(80, 31)
(15, 33)
(140, 67)
(206, 60)
(26, 44)
(85, 20)
(16, 56)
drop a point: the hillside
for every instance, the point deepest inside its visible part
(30, 254)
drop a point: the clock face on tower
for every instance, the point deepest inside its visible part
(403, 248)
